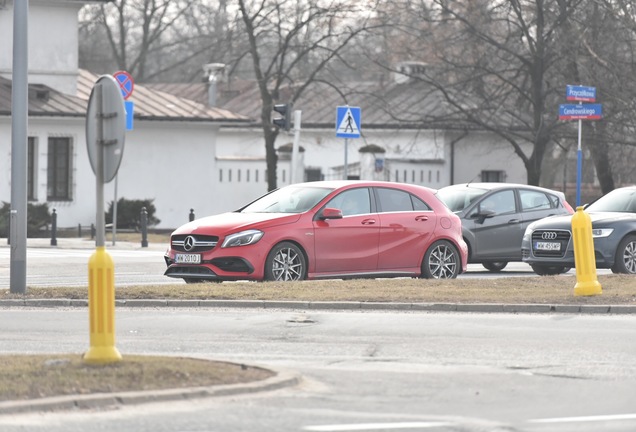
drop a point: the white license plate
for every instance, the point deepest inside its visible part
(547, 246)
(187, 258)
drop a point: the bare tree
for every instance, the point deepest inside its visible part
(291, 44)
(152, 38)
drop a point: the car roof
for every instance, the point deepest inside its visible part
(499, 185)
(335, 184)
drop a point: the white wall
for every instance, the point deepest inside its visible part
(485, 151)
(172, 163)
(52, 43)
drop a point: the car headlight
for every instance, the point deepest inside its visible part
(601, 232)
(242, 238)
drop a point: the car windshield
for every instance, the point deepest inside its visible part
(290, 199)
(618, 200)
(457, 199)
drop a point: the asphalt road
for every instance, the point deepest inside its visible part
(363, 371)
(51, 267)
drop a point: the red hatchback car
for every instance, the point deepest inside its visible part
(327, 229)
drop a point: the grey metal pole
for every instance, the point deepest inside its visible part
(19, 116)
(295, 147)
(346, 158)
(100, 221)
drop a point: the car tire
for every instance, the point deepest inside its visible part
(494, 266)
(549, 270)
(285, 262)
(441, 261)
(625, 258)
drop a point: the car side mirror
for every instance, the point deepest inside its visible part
(330, 213)
(482, 215)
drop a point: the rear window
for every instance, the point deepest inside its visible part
(394, 200)
(457, 199)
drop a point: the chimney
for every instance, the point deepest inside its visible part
(212, 72)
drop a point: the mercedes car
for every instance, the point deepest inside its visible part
(547, 244)
(495, 215)
(325, 229)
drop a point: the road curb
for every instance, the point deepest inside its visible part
(335, 305)
(281, 380)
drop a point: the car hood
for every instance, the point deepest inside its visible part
(235, 222)
(565, 221)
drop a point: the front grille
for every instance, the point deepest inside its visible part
(185, 271)
(560, 236)
(233, 264)
(193, 243)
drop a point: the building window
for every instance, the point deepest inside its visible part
(493, 176)
(238, 175)
(220, 176)
(437, 176)
(247, 175)
(284, 172)
(256, 176)
(313, 174)
(229, 176)
(59, 169)
(31, 170)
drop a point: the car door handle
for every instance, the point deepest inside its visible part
(513, 221)
(368, 222)
(421, 218)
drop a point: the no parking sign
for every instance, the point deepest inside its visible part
(126, 83)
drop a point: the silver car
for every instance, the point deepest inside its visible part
(495, 216)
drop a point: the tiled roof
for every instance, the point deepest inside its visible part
(43, 101)
(152, 104)
(404, 105)
(149, 104)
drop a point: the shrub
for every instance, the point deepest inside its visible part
(129, 213)
(38, 219)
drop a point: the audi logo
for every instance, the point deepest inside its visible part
(548, 235)
(189, 243)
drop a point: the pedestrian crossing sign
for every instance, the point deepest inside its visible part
(347, 122)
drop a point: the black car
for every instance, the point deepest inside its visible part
(547, 244)
(495, 215)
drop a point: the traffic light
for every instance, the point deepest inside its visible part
(283, 122)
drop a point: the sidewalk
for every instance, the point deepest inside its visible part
(86, 243)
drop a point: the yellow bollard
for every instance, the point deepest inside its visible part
(101, 307)
(587, 283)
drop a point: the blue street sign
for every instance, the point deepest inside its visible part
(348, 122)
(129, 106)
(580, 93)
(580, 112)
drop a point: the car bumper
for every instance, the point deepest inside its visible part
(602, 255)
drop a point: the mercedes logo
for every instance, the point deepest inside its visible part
(189, 243)
(548, 235)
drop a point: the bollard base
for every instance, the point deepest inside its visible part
(102, 355)
(588, 288)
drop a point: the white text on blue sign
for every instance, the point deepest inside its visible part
(580, 112)
(580, 93)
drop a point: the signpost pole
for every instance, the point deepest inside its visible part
(346, 157)
(579, 165)
(105, 126)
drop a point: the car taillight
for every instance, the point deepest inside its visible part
(568, 206)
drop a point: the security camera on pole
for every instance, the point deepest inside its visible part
(105, 134)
